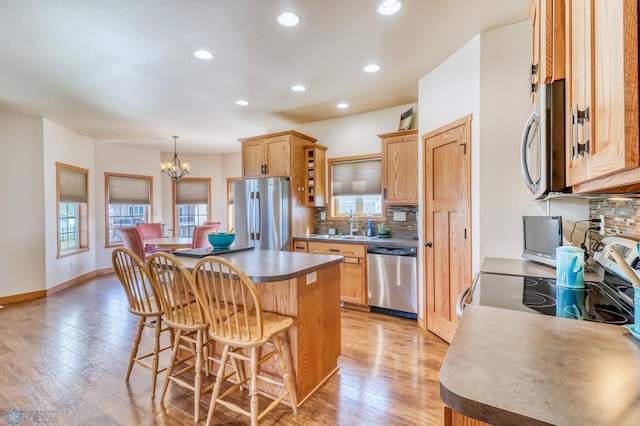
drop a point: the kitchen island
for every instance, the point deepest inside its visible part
(305, 287)
(517, 368)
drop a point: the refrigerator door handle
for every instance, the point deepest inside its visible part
(256, 211)
(251, 215)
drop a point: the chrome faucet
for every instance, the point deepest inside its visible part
(353, 224)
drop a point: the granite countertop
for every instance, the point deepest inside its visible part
(517, 368)
(399, 241)
(271, 266)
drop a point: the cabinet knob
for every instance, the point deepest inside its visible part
(428, 244)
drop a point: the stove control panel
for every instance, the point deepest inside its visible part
(627, 246)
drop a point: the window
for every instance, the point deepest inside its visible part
(356, 187)
(73, 217)
(128, 202)
(191, 204)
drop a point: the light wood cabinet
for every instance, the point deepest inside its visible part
(400, 167)
(268, 157)
(282, 155)
(315, 193)
(603, 149)
(353, 269)
(548, 42)
(453, 418)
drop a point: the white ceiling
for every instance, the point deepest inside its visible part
(123, 70)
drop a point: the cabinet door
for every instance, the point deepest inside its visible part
(353, 284)
(400, 165)
(577, 90)
(252, 158)
(278, 156)
(614, 87)
(603, 99)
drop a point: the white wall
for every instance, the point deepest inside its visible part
(503, 198)
(119, 158)
(22, 223)
(64, 146)
(355, 134)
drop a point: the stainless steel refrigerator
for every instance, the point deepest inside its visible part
(261, 212)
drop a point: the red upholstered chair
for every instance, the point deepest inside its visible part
(148, 231)
(200, 235)
(206, 222)
(132, 240)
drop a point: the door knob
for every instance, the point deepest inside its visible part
(428, 244)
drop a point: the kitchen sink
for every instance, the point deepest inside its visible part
(343, 237)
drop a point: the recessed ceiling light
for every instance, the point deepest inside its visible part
(288, 19)
(205, 55)
(342, 105)
(242, 102)
(389, 7)
(372, 68)
(298, 88)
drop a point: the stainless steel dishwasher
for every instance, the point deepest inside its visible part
(393, 279)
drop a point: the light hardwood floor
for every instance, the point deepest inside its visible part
(64, 358)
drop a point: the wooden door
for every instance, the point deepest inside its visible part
(447, 223)
(400, 167)
(252, 158)
(278, 156)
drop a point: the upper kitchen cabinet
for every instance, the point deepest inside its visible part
(548, 47)
(400, 167)
(602, 96)
(272, 155)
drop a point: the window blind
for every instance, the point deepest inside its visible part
(363, 177)
(72, 185)
(192, 191)
(128, 190)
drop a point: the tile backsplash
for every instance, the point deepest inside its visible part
(621, 216)
(405, 229)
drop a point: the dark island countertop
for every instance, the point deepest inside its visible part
(516, 368)
(272, 266)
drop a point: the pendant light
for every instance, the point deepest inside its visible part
(175, 168)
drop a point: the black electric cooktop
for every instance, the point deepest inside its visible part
(597, 301)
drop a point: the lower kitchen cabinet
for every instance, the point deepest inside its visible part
(453, 418)
(353, 269)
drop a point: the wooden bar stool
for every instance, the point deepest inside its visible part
(143, 302)
(233, 309)
(173, 284)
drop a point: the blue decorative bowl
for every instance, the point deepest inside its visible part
(221, 240)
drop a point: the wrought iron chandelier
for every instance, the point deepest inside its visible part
(175, 168)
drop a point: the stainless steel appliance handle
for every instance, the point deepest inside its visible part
(258, 213)
(251, 220)
(460, 301)
(524, 167)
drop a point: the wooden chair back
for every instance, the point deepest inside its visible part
(132, 240)
(201, 235)
(230, 301)
(134, 277)
(173, 283)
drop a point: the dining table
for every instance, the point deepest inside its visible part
(172, 243)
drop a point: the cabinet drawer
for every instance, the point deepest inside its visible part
(350, 250)
(355, 260)
(300, 246)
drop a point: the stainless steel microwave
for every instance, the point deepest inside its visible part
(542, 150)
